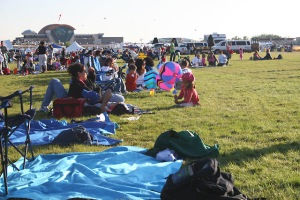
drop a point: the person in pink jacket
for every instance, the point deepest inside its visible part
(188, 92)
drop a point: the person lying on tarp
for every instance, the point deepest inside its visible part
(80, 85)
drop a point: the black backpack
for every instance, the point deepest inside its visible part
(120, 109)
(74, 135)
(203, 180)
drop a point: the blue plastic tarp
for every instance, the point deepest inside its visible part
(118, 173)
(44, 131)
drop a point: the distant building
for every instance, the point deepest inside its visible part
(61, 33)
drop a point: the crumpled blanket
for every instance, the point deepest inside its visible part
(118, 173)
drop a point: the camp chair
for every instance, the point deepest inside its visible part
(11, 123)
(110, 84)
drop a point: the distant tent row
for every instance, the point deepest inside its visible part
(73, 47)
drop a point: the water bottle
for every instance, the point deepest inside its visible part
(183, 175)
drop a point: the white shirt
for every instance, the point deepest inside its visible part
(140, 80)
(197, 61)
(222, 58)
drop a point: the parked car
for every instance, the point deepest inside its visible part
(235, 46)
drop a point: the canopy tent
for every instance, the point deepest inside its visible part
(74, 47)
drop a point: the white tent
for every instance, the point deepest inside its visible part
(74, 47)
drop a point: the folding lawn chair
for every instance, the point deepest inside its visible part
(11, 123)
(110, 84)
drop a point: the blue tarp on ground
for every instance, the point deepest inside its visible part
(117, 173)
(44, 131)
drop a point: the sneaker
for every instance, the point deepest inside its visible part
(44, 109)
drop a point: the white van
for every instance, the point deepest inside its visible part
(186, 47)
(235, 46)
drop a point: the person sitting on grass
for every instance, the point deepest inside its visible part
(203, 59)
(149, 63)
(141, 71)
(256, 56)
(197, 61)
(111, 69)
(222, 59)
(268, 55)
(212, 60)
(79, 83)
(187, 92)
(131, 78)
(185, 69)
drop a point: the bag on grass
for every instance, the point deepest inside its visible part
(120, 109)
(203, 180)
(77, 134)
(68, 107)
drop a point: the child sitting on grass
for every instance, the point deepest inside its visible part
(185, 69)
(187, 92)
(131, 78)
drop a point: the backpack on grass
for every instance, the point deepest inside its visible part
(203, 180)
(75, 135)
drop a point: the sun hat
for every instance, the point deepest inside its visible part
(188, 77)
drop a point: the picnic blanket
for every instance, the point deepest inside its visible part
(122, 172)
(44, 131)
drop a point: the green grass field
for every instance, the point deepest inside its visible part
(250, 108)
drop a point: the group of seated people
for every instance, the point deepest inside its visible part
(268, 56)
(201, 61)
(84, 79)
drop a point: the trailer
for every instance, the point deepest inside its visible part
(216, 36)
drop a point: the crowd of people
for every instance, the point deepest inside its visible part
(88, 68)
(95, 66)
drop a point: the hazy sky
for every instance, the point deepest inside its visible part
(141, 20)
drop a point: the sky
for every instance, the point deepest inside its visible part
(141, 20)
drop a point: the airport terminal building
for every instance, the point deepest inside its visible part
(61, 33)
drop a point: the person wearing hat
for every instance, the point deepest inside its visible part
(188, 93)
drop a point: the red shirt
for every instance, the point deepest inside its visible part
(189, 95)
(131, 82)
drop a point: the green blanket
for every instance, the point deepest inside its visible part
(187, 144)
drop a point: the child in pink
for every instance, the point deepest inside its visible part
(241, 51)
(187, 92)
